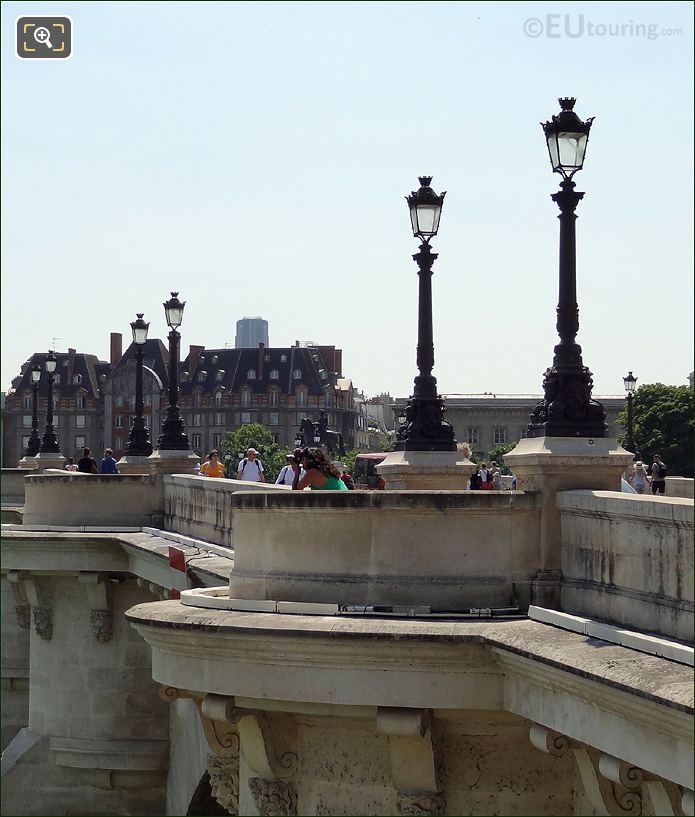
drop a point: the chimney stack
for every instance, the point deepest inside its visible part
(116, 348)
(71, 363)
(261, 357)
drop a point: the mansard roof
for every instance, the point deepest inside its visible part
(156, 357)
(237, 363)
(91, 370)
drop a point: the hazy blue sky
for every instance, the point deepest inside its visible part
(254, 156)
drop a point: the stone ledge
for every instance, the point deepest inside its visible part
(123, 755)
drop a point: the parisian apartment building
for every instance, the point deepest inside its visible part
(220, 391)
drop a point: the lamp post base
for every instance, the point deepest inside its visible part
(50, 459)
(426, 471)
(134, 464)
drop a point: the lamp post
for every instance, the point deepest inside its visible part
(424, 428)
(139, 444)
(35, 438)
(630, 382)
(49, 443)
(567, 409)
(173, 436)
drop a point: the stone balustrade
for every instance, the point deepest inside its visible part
(201, 506)
(628, 559)
(12, 482)
(447, 549)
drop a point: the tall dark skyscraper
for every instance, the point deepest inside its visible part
(250, 332)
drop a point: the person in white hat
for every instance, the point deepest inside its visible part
(638, 477)
(251, 468)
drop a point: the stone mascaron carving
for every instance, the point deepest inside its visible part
(224, 781)
(273, 798)
(420, 803)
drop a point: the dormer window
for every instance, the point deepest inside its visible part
(251, 374)
(76, 379)
(56, 379)
(183, 377)
(297, 374)
(274, 374)
(219, 377)
(267, 358)
(203, 376)
(215, 358)
(283, 358)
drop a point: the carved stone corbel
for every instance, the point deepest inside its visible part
(100, 605)
(273, 798)
(157, 590)
(620, 771)
(414, 770)
(606, 799)
(21, 602)
(39, 592)
(553, 743)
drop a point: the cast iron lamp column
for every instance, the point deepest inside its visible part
(34, 445)
(49, 443)
(567, 409)
(630, 382)
(139, 444)
(173, 436)
(424, 428)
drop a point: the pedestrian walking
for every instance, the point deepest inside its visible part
(212, 467)
(639, 477)
(108, 464)
(87, 464)
(286, 475)
(251, 468)
(658, 475)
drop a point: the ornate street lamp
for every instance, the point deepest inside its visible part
(424, 427)
(34, 445)
(173, 436)
(139, 444)
(567, 409)
(49, 443)
(630, 382)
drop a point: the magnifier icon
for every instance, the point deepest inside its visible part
(42, 35)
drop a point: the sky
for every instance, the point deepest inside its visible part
(254, 157)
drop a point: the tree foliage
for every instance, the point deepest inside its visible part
(254, 435)
(497, 454)
(663, 424)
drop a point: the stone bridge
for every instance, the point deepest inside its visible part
(354, 653)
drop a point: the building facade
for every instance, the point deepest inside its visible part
(220, 391)
(488, 420)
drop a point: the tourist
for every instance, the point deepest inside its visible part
(251, 468)
(286, 475)
(475, 482)
(212, 467)
(347, 479)
(71, 465)
(108, 464)
(380, 484)
(320, 473)
(87, 464)
(639, 477)
(658, 475)
(495, 476)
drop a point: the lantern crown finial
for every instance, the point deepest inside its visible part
(425, 181)
(567, 102)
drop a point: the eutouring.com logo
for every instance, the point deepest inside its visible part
(556, 26)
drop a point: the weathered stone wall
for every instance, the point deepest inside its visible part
(680, 487)
(103, 730)
(628, 559)
(447, 549)
(201, 506)
(92, 500)
(15, 663)
(12, 485)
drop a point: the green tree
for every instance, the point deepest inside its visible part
(663, 424)
(256, 436)
(497, 454)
